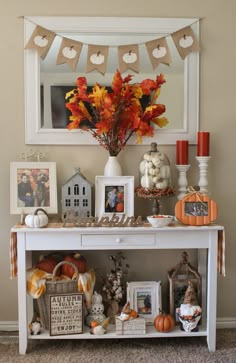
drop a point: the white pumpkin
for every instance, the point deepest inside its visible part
(143, 166)
(159, 52)
(186, 41)
(156, 161)
(130, 57)
(162, 185)
(146, 156)
(97, 58)
(165, 171)
(40, 41)
(147, 182)
(156, 178)
(38, 219)
(69, 52)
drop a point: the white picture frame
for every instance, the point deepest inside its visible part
(145, 298)
(39, 191)
(106, 202)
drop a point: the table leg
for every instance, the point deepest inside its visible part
(212, 291)
(22, 305)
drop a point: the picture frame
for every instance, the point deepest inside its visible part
(33, 185)
(145, 298)
(114, 195)
(196, 210)
(66, 314)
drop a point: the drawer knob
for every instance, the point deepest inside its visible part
(118, 240)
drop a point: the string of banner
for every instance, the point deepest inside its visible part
(128, 55)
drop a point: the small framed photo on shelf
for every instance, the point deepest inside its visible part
(114, 195)
(33, 185)
(145, 298)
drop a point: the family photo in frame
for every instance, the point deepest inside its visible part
(114, 195)
(33, 185)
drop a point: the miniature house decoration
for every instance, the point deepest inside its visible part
(76, 198)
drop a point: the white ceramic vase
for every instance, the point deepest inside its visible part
(112, 167)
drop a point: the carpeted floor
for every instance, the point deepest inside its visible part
(160, 350)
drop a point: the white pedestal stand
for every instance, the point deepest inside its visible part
(182, 180)
(203, 166)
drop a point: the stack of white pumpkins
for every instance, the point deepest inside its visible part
(155, 169)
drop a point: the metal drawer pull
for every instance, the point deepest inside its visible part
(118, 240)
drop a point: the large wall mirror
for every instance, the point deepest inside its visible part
(45, 81)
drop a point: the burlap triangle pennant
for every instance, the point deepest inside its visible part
(158, 52)
(41, 40)
(185, 41)
(97, 58)
(128, 56)
(69, 52)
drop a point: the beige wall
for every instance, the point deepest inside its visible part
(217, 114)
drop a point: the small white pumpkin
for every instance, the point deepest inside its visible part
(37, 220)
(147, 182)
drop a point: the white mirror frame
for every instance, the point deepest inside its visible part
(34, 134)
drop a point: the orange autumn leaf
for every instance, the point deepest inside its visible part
(113, 116)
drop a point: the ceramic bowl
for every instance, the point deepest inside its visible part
(160, 220)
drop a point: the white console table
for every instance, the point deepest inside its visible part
(204, 239)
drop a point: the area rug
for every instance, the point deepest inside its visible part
(159, 350)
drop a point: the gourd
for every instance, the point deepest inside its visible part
(36, 220)
(78, 260)
(164, 323)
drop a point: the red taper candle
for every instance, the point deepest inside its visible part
(182, 152)
(203, 143)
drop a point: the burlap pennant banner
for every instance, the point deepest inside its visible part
(158, 52)
(185, 41)
(41, 40)
(128, 57)
(97, 58)
(69, 52)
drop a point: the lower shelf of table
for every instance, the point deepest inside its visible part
(111, 334)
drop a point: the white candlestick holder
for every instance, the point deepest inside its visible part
(203, 168)
(182, 180)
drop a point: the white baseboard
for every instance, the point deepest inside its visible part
(225, 323)
(9, 326)
(221, 323)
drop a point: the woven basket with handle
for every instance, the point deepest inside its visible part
(55, 287)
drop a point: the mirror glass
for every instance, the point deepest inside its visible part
(46, 83)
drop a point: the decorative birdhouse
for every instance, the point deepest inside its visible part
(76, 198)
(179, 278)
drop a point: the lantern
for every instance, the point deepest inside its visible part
(179, 277)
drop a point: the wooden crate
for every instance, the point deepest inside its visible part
(133, 326)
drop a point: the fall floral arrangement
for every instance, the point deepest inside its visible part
(114, 287)
(113, 117)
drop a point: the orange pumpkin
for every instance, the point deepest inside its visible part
(120, 196)
(120, 207)
(196, 209)
(48, 264)
(164, 323)
(78, 260)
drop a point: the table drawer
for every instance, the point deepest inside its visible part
(119, 240)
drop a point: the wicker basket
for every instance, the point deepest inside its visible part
(55, 287)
